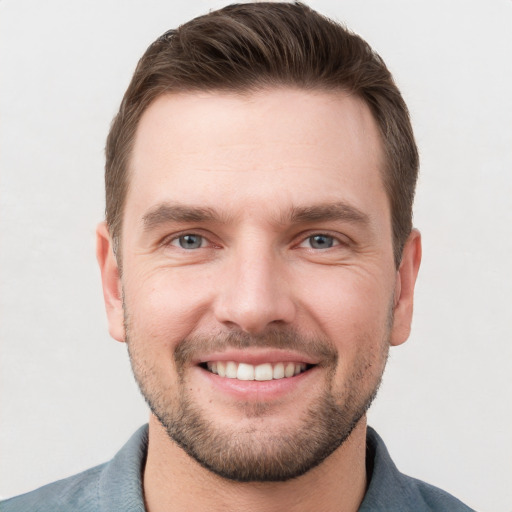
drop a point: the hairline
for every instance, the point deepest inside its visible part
(116, 231)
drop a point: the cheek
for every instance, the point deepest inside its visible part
(348, 304)
(352, 311)
(163, 308)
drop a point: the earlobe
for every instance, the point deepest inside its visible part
(404, 288)
(111, 282)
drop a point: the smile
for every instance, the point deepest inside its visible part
(260, 372)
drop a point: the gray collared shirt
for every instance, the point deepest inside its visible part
(117, 486)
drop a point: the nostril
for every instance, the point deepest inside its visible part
(252, 305)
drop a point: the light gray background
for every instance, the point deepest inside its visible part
(68, 400)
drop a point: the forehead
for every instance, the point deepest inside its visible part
(266, 149)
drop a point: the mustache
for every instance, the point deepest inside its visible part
(317, 348)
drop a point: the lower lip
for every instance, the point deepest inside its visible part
(255, 390)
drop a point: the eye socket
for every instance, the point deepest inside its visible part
(320, 241)
(189, 241)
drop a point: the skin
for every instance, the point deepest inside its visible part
(255, 160)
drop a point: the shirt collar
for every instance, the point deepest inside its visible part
(120, 483)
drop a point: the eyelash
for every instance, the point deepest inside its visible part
(333, 240)
(336, 240)
(175, 239)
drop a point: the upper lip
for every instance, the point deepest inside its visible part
(257, 356)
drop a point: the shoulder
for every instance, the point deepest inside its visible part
(389, 489)
(77, 493)
(114, 486)
(432, 498)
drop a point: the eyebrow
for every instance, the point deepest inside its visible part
(166, 212)
(339, 211)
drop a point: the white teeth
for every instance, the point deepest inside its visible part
(221, 368)
(289, 370)
(245, 372)
(278, 371)
(261, 372)
(231, 370)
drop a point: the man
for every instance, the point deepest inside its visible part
(258, 259)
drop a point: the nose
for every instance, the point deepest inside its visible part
(255, 293)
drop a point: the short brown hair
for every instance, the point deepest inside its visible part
(245, 47)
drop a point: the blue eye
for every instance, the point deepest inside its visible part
(321, 241)
(190, 241)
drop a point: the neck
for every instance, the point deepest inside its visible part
(174, 481)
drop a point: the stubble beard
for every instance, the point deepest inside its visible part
(256, 453)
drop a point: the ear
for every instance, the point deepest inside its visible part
(111, 281)
(404, 288)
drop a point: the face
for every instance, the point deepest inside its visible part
(260, 292)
